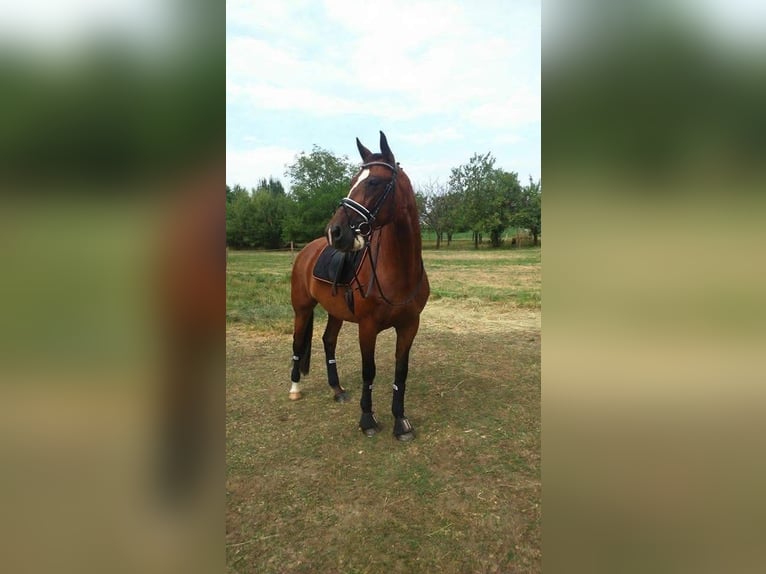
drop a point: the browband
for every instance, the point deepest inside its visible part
(388, 165)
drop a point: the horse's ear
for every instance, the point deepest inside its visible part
(385, 150)
(363, 151)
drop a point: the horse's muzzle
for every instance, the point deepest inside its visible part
(343, 238)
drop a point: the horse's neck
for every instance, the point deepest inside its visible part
(404, 234)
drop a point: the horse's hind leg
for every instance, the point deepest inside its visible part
(302, 333)
(330, 340)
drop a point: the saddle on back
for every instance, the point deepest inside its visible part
(338, 267)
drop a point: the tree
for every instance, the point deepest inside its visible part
(486, 194)
(319, 181)
(272, 186)
(438, 209)
(236, 199)
(232, 193)
(508, 193)
(255, 218)
(269, 210)
(528, 212)
(472, 182)
(240, 219)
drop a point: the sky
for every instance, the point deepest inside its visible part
(443, 79)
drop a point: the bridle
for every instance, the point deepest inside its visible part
(364, 227)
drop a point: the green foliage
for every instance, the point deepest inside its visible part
(527, 209)
(239, 219)
(479, 197)
(269, 213)
(256, 219)
(487, 195)
(319, 181)
(440, 210)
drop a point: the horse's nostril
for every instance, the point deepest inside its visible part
(335, 231)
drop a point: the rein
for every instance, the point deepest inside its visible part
(374, 279)
(365, 229)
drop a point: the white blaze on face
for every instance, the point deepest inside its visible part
(362, 177)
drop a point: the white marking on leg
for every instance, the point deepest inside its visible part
(362, 177)
(295, 388)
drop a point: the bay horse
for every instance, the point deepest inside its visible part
(389, 289)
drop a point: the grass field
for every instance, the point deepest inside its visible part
(464, 240)
(307, 492)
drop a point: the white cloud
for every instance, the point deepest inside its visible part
(444, 75)
(519, 107)
(257, 60)
(426, 172)
(431, 136)
(508, 138)
(247, 166)
(279, 19)
(294, 99)
(398, 26)
(253, 57)
(400, 61)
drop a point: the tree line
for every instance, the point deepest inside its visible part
(478, 197)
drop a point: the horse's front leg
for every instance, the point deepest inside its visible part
(405, 335)
(330, 341)
(368, 335)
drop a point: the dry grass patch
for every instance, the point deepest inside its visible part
(307, 492)
(475, 316)
(521, 275)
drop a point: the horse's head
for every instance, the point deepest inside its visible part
(370, 202)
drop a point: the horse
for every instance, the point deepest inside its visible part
(379, 220)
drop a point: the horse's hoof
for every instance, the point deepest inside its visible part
(369, 424)
(296, 396)
(342, 397)
(403, 429)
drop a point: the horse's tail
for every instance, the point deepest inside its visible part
(305, 361)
